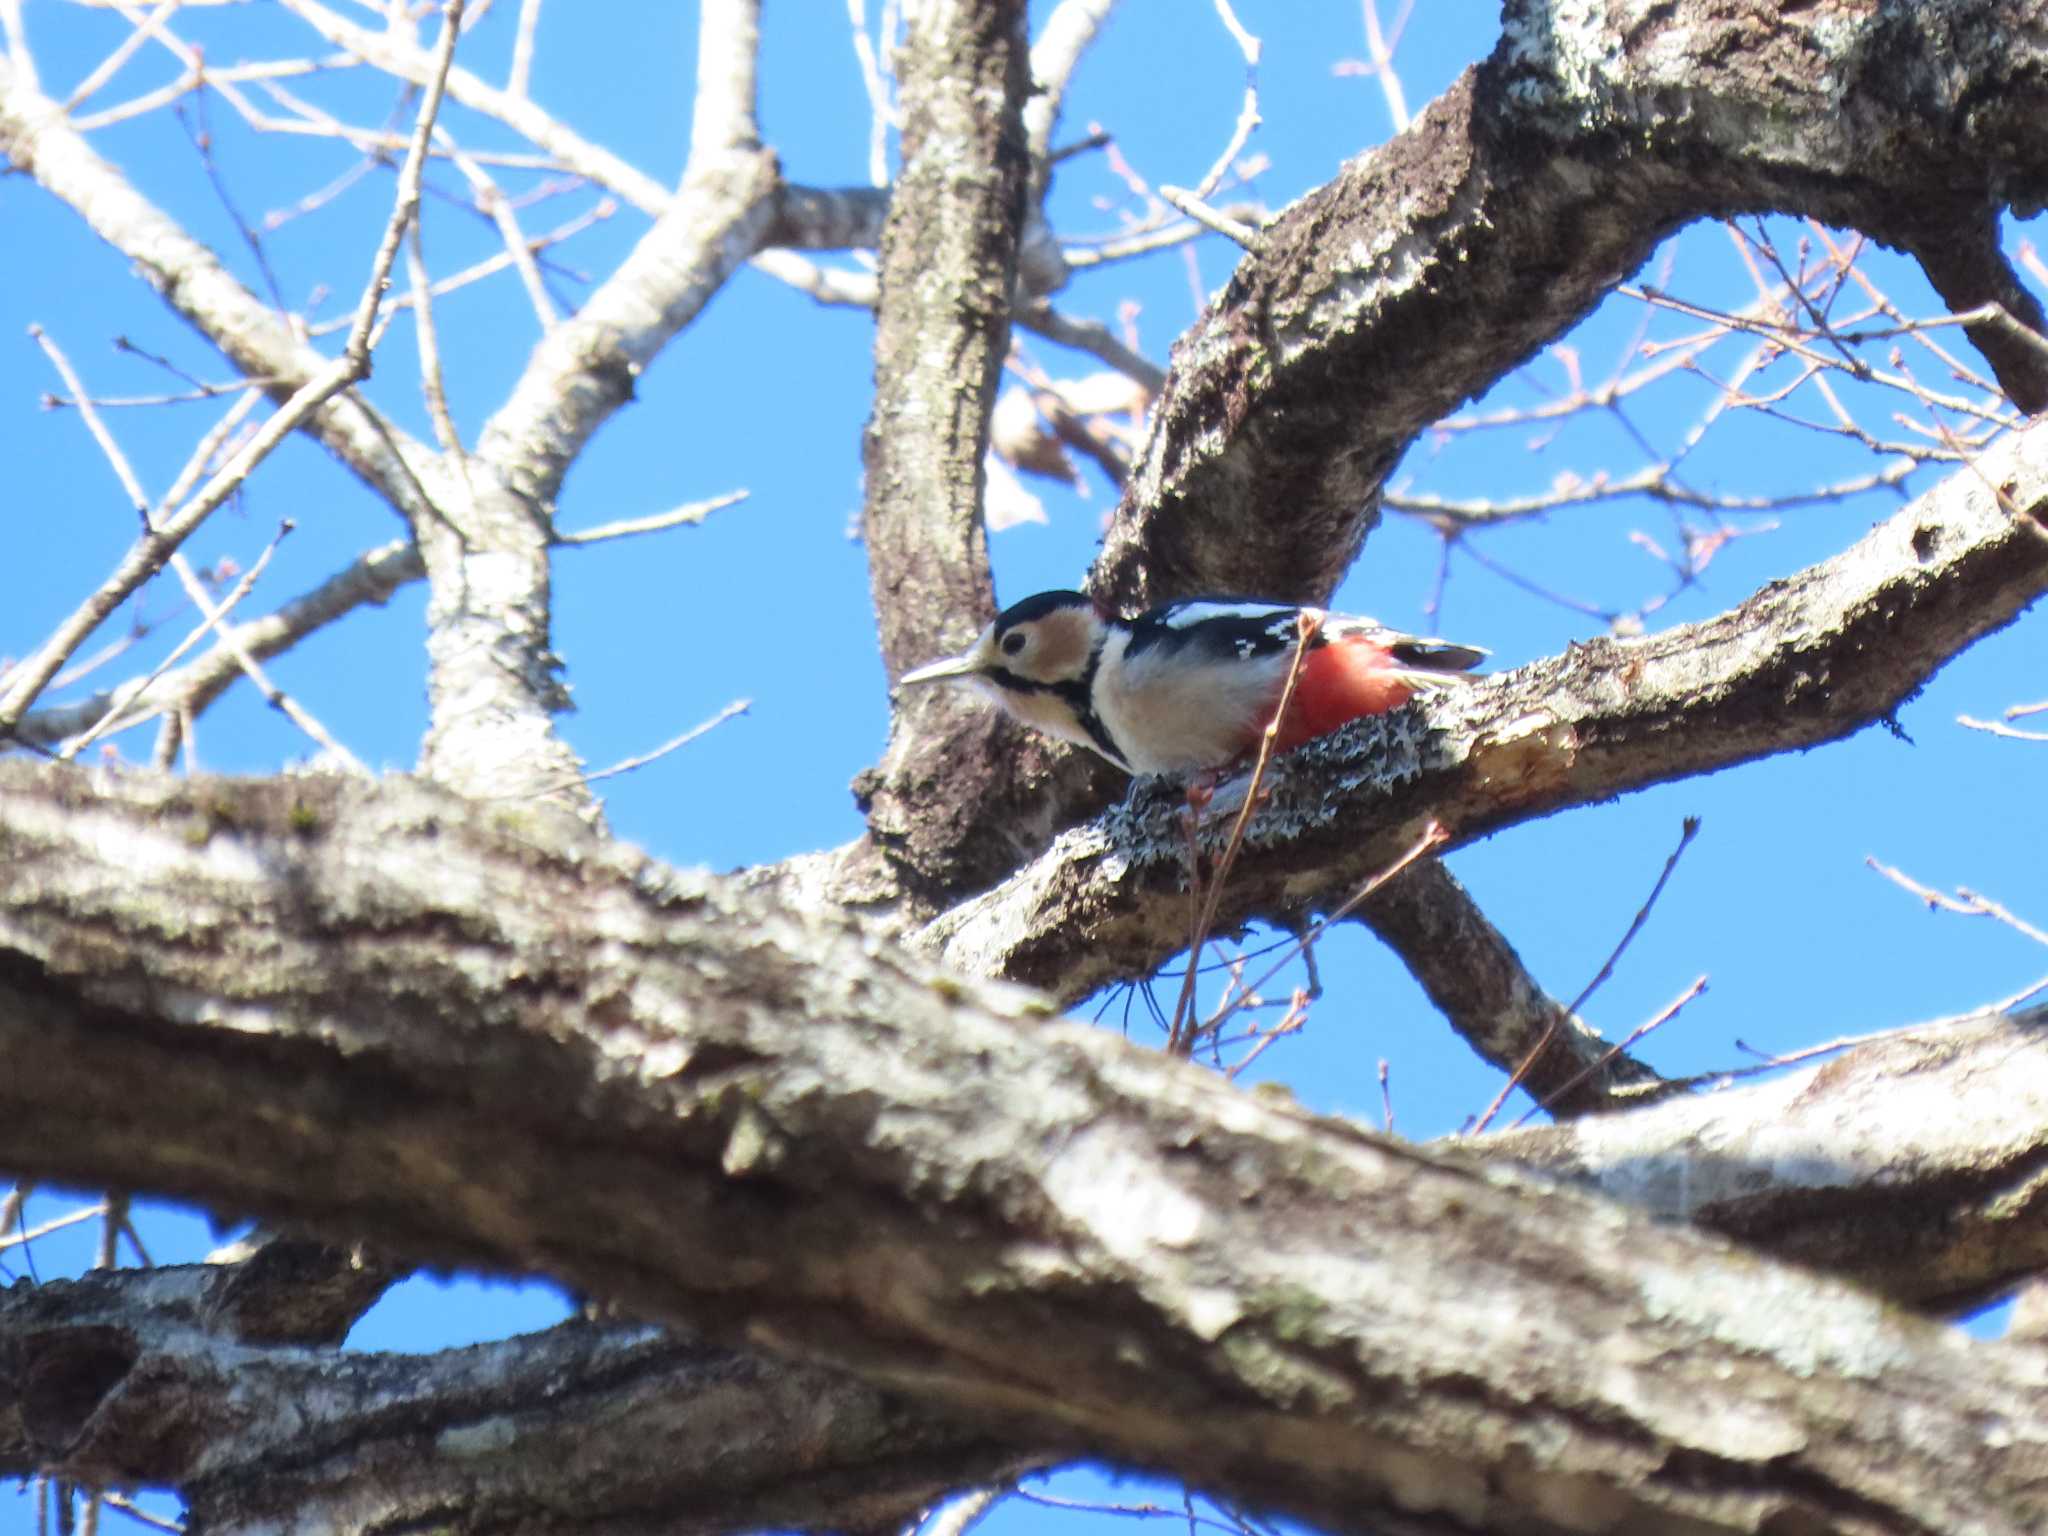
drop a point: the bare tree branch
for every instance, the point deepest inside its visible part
(35, 138)
(492, 678)
(810, 1141)
(1504, 212)
(1473, 975)
(949, 259)
(1810, 1166)
(580, 1428)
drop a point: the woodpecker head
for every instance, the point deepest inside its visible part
(1037, 660)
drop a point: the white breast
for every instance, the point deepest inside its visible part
(1172, 714)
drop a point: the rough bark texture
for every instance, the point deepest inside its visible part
(1432, 265)
(1812, 1166)
(942, 329)
(502, 1041)
(129, 1377)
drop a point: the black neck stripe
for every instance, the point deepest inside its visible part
(1083, 700)
(1077, 693)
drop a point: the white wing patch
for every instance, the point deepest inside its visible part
(1188, 615)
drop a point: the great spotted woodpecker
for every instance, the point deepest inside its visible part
(1189, 687)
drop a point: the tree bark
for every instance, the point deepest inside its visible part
(383, 1011)
(1432, 265)
(127, 1377)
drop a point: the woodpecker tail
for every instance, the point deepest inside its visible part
(1424, 661)
(1433, 663)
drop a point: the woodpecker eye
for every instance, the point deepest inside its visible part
(1013, 642)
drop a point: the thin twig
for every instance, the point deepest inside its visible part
(1663, 1017)
(1308, 624)
(1303, 947)
(195, 589)
(881, 111)
(407, 205)
(1965, 901)
(114, 1213)
(1198, 210)
(1288, 1023)
(141, 1516)
(2000, 728)
(625, 527)
(521, 75)
(1248, 113)
(627, 765)
(962, 1513)
(428, 340)
(497, 207)
(1689, 829)
(1772, 1063)
(150, 553)
(114, 719)
(55, 1224)
(1379, 46)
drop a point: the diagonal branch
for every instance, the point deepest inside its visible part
(36, 138)
(1431, 265)
(1475, 978)
(778, 1129)
(585, 368)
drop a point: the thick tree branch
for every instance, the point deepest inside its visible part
(942, 329)
(1433, 264)
(1512, 204)
(1832, 649)
(379, 1010)
(585, 368)
(492, 676)
(1813, 1165)
(579, 1429)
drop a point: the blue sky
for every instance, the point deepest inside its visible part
(769, 600)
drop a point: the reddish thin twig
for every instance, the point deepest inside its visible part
(1662, 1018)
(1303, 947)
(1687, 832)
(1180, 1039)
